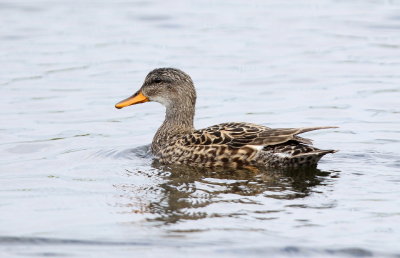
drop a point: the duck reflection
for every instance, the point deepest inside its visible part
(183, 193)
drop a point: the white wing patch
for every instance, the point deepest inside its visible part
(257, 147)
(283, 155)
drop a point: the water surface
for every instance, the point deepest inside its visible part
(75, 174)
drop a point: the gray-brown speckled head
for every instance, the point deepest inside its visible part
(170, 87)
(175, 90)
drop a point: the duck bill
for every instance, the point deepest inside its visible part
(136, 98)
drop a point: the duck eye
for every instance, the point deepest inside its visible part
(157, 80)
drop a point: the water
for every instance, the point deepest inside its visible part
(75, 176)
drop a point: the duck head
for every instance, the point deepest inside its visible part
(169, 86)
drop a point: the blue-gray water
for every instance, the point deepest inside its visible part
(75, 180)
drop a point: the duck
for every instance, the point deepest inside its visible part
(235, 145)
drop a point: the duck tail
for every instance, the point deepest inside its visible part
(310, 158)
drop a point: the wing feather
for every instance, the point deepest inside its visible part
(237, 135)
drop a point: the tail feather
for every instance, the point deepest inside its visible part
(316, 152)
(303, 140)
(310, 158)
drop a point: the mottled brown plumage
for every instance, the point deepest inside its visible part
(234, 145)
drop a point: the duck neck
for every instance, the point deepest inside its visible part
(178, 120)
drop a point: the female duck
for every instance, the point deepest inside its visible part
(234, 145)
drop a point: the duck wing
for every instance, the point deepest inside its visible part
(238, 135)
